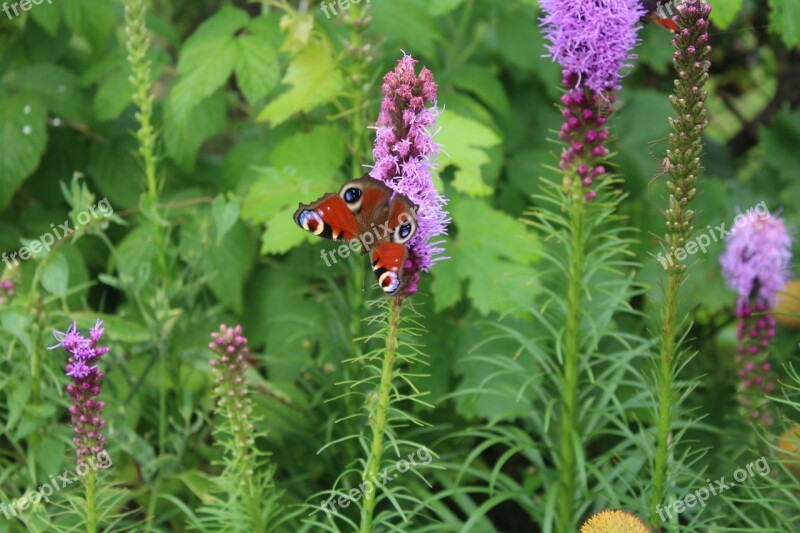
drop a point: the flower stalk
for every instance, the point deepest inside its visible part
(686, 147)
(86, 410)
(378, 417)
(592, 41)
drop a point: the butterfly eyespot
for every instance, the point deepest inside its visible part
(352, 197)
(404, 232)
(311, 221)
(389, 282)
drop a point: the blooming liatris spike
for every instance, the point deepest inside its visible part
(86, 410)
(230, 365)
(592, 41)
(614, 521)
(757, 255)
(755, 264)
(404, 151)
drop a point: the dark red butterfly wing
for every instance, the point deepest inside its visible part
(659, 11)
(329, 217)
(388, 263)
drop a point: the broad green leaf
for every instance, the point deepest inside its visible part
(225, 215)
(22, 126)
(438, 8)
(725, 12)
(55, 276)
(464, 144)
(49, 19)
(116, 170)
(784, 20)
(402, 23)
(313, 80)
(184, 138)
(207, 60)
(282, 233)
(303, 169)
(484, 84)
(19, 326)
(493, 253)
(57, 88)
(257, 69)
(227, 265)
(91, 19)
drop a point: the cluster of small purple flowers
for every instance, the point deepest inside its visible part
(6, 291)
(584, 133)
(86, 410)
(756, 265)
(592, 41)
(230, 366)
(404, 151)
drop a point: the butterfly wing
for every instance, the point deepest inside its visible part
(388, 263)
(666, 23)
(329, 217)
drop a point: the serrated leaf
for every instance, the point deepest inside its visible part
(91, 19)
(784, 20)
(57, 88)
(22, 126)
(183, 139)
(281, 234)
(257, 70)
(499, 276)
(48, 19)
(207, 60)
(225, 215)
(227, 265)
(55, 276)
(303, 169)
(464, 144)
(485, 85)
(725, 12)
(313, 80)
(405, 22)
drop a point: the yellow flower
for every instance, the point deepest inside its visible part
(614, 521)
(789, 443)
(787, 310)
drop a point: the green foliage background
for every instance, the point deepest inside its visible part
(261, 105)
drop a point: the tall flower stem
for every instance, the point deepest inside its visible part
(688, 101)
(381, 410)
(90, 496)
(572, 348)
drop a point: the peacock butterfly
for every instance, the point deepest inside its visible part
(367, 210)
(660, 13)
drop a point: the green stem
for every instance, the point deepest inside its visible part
(665, 385)
(572, 347)
(91, 513)
(381, 411)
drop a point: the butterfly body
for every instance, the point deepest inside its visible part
(367, 210)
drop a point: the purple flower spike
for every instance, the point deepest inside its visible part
(86, 409)
(593, 39)
(229, 365)
(757, 256)
(404, 159)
